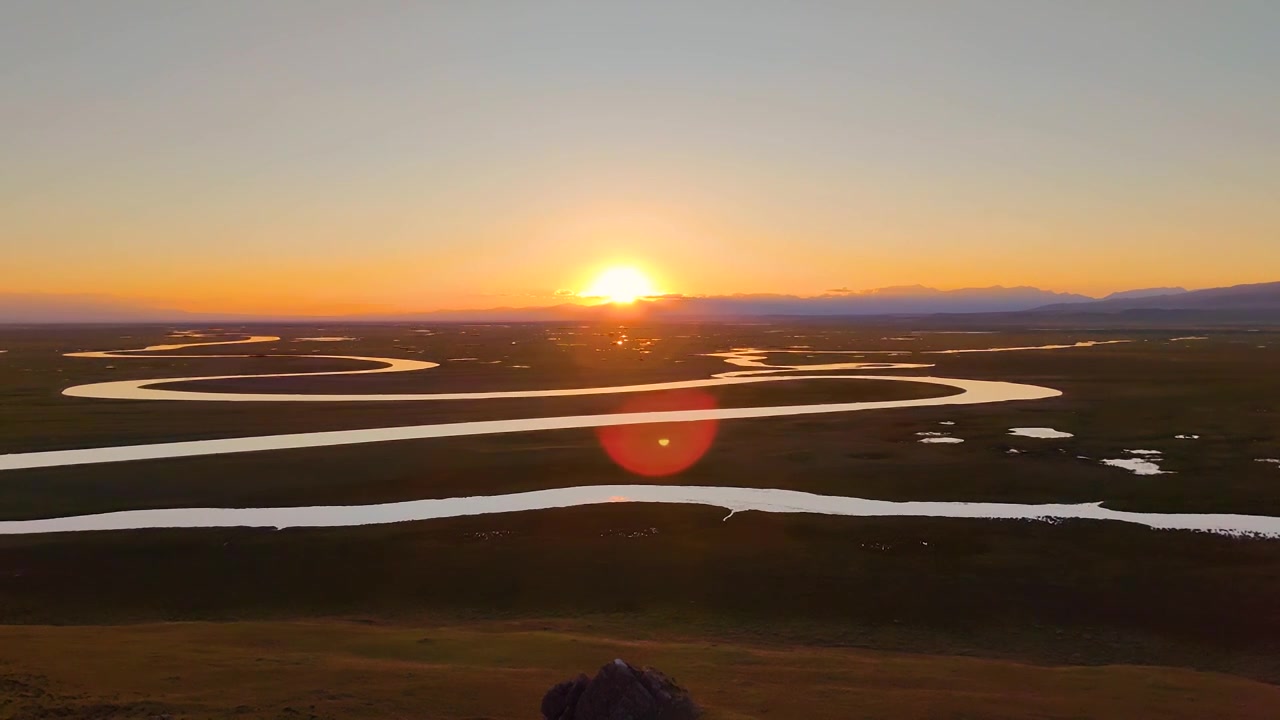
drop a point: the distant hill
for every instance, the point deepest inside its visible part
(1146, 292)
(898, 300)
(991, 303)
(1259, 297)
(565, 312)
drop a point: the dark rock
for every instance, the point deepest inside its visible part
(560, 700)
(616, 693)
(620, 691)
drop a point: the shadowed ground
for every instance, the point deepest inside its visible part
(500, 670)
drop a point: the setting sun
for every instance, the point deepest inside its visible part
(620, 285)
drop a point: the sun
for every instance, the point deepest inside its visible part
(620, 285)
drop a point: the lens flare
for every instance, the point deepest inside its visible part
(659, 449)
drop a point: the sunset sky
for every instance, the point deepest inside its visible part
(325, 156)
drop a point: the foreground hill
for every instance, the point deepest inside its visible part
(345, 669)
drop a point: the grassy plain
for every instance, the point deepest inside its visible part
(790, 591)
(323, 670)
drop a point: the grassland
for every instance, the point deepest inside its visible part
(257, 671)
(791, 591)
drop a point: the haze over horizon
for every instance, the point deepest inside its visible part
(566, 296)
(324, 157)
(614, 302)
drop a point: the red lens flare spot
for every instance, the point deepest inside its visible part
(663, 448)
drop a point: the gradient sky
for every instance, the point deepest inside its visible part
(322, 156)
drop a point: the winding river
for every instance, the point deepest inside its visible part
(971, 392)
(754, 369)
